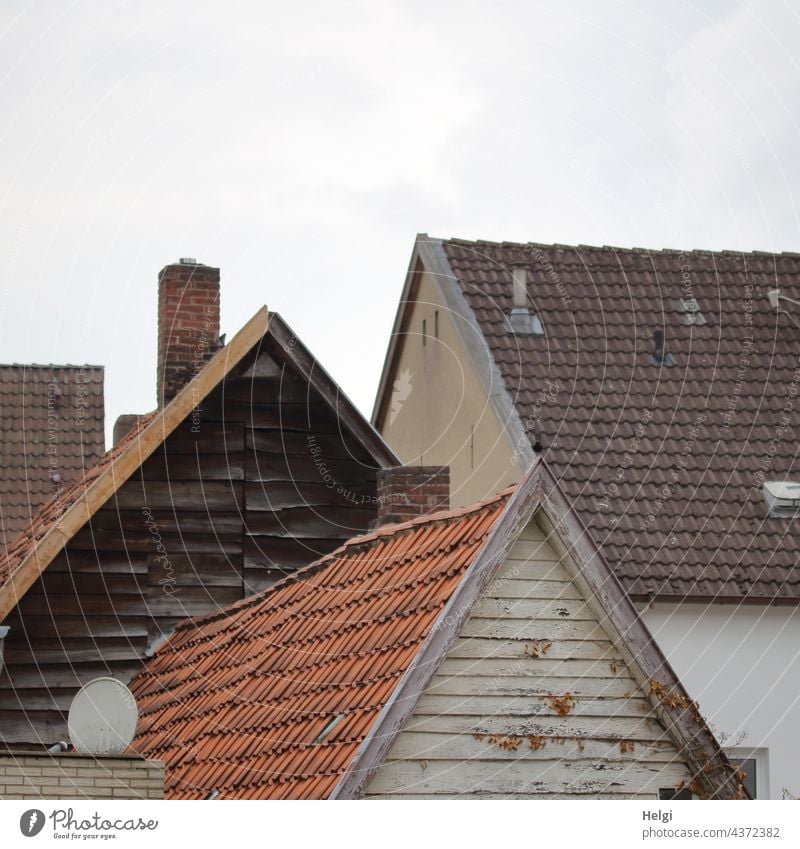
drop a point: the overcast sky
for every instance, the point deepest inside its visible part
(301, 146)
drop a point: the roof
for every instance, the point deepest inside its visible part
(236, 700)
(66, 513)
(299, 692)
(50, 430)
(663, 463)
(59, 506)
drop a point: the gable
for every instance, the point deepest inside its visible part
(534, 699)
(433, 409)
(64, 516)
(260, 477)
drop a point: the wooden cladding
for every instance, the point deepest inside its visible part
(534, 700)
(259, 481)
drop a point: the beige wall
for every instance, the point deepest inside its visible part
(534, 700)
(446, 418)
(39, 775)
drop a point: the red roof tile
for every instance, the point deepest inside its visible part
(50, 430)
(663, 464)
(272, 697)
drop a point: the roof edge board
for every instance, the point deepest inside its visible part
(395, 336)
(122, 467)
(480, 354)
(394, 715)
(539, 490)
(606, 595)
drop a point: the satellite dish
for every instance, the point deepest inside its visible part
(102, 718)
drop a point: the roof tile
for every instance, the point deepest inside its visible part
(50, 429)
(708, 426)
(239, 701)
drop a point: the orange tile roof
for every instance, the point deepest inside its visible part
(271, 697)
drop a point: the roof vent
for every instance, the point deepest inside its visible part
(782, 497)
(660, 357)
(188, 260)
(523, 320)
(328, 728)
(691, 311)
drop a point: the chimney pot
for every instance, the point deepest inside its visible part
(407, 492)
(188, 324)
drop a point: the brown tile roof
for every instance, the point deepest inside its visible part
(272, 697)
(50, 513)
(51, 428)
(663, 464)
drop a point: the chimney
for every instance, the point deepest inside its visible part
(124, 424)
(407, 492)
(188, 324)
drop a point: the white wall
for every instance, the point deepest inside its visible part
(742, 665)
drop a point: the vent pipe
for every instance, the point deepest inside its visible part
(660, 357)
(522, 320)
(658, 347)
(520, 280)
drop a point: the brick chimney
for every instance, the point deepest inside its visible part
(406, 492)
(188, 324)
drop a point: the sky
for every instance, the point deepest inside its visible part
(301, 146)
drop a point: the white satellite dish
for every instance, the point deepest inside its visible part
(102, 717)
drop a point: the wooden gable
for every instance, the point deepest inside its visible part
(534, 699)
(263, 476)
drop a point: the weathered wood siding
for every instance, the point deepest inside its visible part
(261, 481)
(533, 700)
